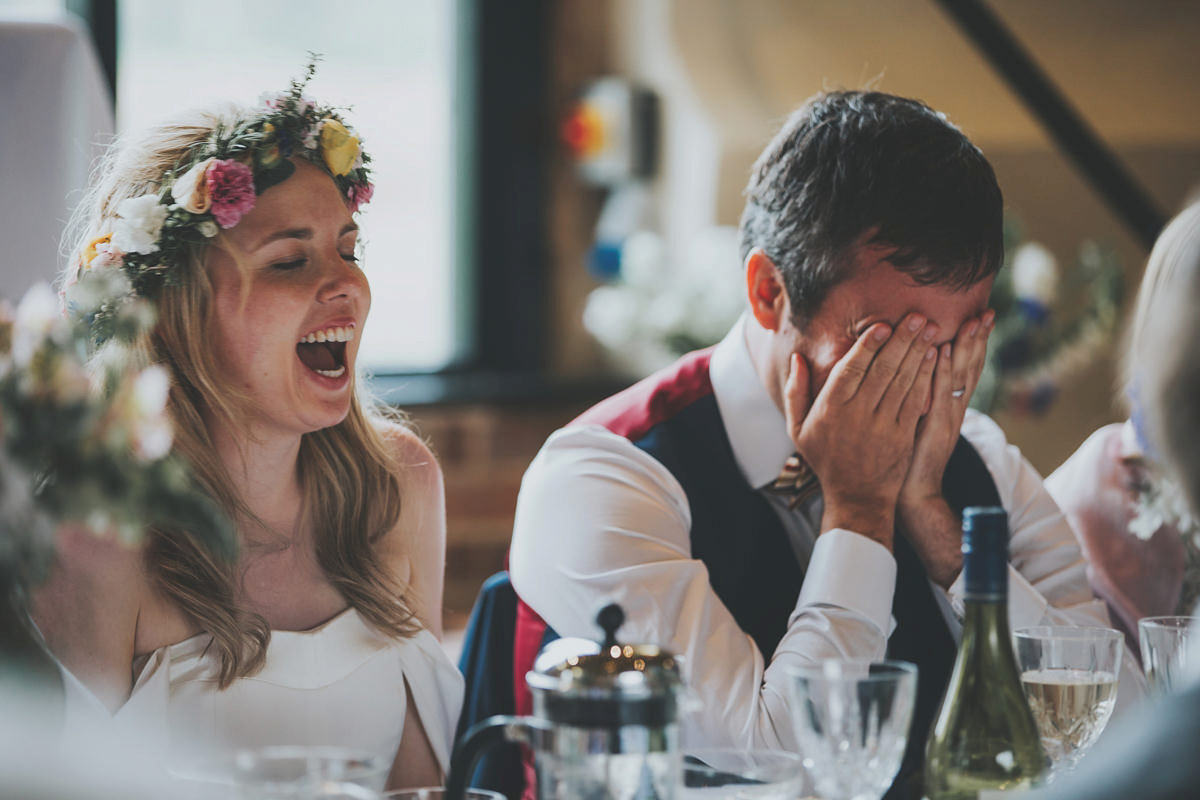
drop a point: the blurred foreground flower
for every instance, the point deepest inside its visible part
(1040, 343)
(86, 443)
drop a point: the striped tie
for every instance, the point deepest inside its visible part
(796, 482)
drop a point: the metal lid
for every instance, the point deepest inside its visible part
(578, 682)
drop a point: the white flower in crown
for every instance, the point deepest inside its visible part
(190, 191)
(312, 139)
(106, 256)
(139, 224)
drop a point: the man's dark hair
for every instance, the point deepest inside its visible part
(846, 163)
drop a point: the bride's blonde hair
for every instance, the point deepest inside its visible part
(348, 474)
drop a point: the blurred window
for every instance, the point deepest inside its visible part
(392, 62)
(31, 8)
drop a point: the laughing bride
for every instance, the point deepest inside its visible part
(239, 227)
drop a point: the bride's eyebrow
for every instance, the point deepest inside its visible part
(289, 233)
(304, 234)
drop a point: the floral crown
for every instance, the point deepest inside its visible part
(219, 181)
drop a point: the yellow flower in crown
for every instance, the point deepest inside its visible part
(268, 156)
(94, 247)
(339, 147)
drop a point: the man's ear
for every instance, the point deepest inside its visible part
(764, 287)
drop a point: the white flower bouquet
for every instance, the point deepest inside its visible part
(662, 307)
(1041, 343)
(82, 443)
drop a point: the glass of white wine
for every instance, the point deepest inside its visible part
(1069, 675)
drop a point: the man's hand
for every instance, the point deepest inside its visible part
(924, 516)
(858, 435)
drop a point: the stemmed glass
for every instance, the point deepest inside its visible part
(852, 718)
(1070, 679)
(1165, 642)
(438, 793)
(733, 774)
(308, 773)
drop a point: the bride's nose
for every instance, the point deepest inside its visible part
(343, 279)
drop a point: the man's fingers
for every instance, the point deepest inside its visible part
(916, 402)
(796, 399)
(848, 374)
(907, 374)
(944, 385)
(888, 365)
(970, 352)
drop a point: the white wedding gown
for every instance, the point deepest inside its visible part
(342, 683)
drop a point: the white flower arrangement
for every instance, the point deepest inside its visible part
(1159, 503)
(1036, 348)
(91, 444)
(1035, 274)
(662, 307)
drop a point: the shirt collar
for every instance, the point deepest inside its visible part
(756, 428)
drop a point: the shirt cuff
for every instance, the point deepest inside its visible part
(1026, 606)
(850, 571)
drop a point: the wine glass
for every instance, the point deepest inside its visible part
(852, 718)
(306, 773)
(1069, 674)
(437, 793)
(1165, 642)
(733, 774)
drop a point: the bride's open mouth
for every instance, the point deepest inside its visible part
(324, 351)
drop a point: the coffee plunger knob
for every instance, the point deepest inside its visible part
(609, 618)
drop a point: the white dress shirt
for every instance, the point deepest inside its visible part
(599, 520)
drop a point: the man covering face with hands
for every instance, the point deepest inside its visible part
(794, 493)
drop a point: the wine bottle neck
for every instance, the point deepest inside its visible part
(985, 628)
(987, 611)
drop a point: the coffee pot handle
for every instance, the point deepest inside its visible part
(486, 734)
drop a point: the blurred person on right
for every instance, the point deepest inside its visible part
(1152, 755)
(1123, 503)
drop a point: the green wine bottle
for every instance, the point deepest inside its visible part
(984, 742)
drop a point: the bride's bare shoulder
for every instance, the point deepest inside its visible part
(416, 547)
(415, 462)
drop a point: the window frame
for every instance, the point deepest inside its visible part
(501, 166)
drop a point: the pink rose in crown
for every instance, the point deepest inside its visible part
(359, 194)
(231, 188)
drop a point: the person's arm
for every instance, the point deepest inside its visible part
(415, 549)
(599, 520)
(924, 516)
(416, 552)
(1048, 582)
(87, 611)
